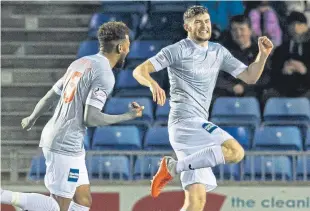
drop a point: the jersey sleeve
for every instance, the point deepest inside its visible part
(231, 65)
(100, 88)
(58, 86)
(166, 57)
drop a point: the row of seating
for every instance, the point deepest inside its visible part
(227, 110)
(277, 138)
(264, 168)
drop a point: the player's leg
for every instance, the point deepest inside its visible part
(62, 175)
(233, 152)
(29, 201)
(195, 197)
(82, 199)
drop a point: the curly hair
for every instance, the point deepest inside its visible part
(111, 31)
(194, 11)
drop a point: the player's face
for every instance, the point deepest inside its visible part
(200, 27)
(124, 50)
(241, 33)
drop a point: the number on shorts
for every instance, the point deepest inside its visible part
(71, 87)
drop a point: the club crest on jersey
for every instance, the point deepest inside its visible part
(73, 175)
(209, 127)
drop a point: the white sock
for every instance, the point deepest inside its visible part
(207, 157)
(29, 201)
(76, 207)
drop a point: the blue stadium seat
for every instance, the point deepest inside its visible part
(277, 138)
(289, 111)
(171, 6)
(157, 138)
(117, 138)
(88, 47)
(99, 18)
(118, 105)
(303, 168)
(230, 172)
(144, 49)
(108, 167)
(268, 168)
(236, 111)
(146, 167)
(307, 144)
(37, 168)
(162, 113)
(241, 134)
(127, 86)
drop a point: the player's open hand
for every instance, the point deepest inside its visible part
(159, 95)
(265, 45)
(136, 109)
(27, 123)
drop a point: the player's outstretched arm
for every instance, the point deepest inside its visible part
(93, 117)
(255, 69)
(142, 75)
(42, 106)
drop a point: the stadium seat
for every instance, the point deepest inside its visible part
(236, 111)
(157, 138)
(241, 134)
(287, 111)
(118, 105)
(108, 167)
(88, 47)
(277, 138)
(127, 86)
(117, 138)
(229, 172)
(146, 167)
(162, 113)
(303, 168)
(37, 168)
(99, 18)
(170, 6)
(141, 50)
(268, 168)
(307, 144)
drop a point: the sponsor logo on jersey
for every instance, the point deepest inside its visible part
(209, 127)
(73, 175)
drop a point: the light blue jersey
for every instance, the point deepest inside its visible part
(193, 71)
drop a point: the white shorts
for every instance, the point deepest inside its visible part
(191, 135)
(64, 173)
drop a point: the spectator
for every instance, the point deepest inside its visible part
(265, 22)
(221, 12)
(243, 47)
(290, 74)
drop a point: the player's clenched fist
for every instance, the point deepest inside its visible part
(265, 45)
(136, 109)
(159, 94)
(27, 123)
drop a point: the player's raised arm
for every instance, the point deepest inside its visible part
(44, 105)
(93, 117)
(255, 69)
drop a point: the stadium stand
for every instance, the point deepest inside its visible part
(39, 40)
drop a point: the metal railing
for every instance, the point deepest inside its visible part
(17, 167)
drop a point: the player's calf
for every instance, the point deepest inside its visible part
(233, 152)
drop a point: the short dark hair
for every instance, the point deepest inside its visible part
(241, 19)
(193, 11)
(111, 31)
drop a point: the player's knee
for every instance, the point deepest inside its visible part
(84, 200)
(197, 202)
(233, 151)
